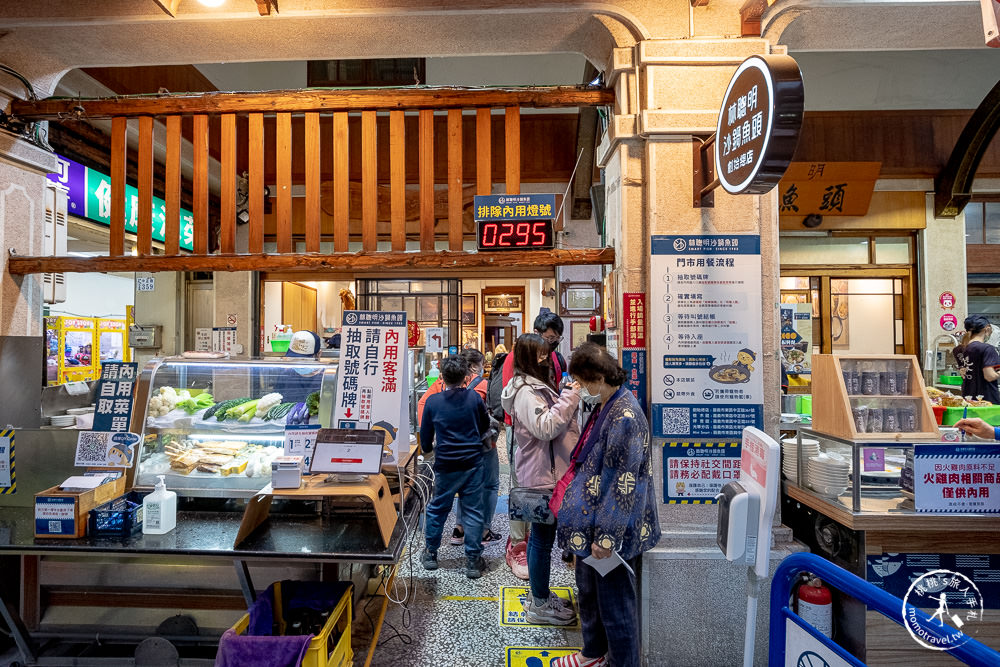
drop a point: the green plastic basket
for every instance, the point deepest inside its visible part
(280, 345)
(953, 380)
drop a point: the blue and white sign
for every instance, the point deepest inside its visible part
(115, 396)
(514, 207)
(956, 478)
(705, 336)
(372, 383)
(634, 365)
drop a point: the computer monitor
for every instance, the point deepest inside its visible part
(347, 451)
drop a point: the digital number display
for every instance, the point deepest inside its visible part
(515, 235)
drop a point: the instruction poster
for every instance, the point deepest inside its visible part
(8, 482)
(536, 656)
(705, 307)
(695, 472)
(372, 385)
(796, 337)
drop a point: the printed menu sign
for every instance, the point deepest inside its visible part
(372, 385)
(115, 395)
(705, 307)
(796, 337)
(956, 478)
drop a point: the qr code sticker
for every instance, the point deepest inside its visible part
(55, 526)
(92, 448)
(676, 421)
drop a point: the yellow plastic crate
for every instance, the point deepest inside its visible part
(339, 625)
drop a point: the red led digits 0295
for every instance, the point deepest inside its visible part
(511, 235)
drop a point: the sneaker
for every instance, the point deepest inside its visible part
(550, 613)
(561, 602)
(490, 536)
(474, 567)
(457, 536)
(517, 558)
(429, 560)
(577, 660)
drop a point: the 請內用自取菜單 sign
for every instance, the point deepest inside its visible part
(372, 381)
(705, 309)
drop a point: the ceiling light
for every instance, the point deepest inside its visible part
(212, 3)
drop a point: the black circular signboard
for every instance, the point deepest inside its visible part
(759, 123)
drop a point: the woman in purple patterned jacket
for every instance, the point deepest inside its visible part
(608, 511)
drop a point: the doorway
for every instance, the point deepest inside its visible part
(503, 316)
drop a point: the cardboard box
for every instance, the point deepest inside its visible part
(64, 513)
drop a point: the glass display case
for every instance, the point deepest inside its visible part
(213, 426)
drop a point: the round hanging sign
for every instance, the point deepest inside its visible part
(759, 124)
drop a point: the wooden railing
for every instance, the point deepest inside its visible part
(321, 112)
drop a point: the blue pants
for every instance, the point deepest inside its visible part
(609, 617)
(491, 490)
(468, 484)
(540, 541)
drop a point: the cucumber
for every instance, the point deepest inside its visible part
(278, 411)
(222, 408)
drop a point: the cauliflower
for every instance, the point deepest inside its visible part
(166, 400)
(267, 402)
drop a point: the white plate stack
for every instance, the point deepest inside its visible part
(828, 474)
(790, 454)
(62, 421)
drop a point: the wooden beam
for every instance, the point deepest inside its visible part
(313, 177)
(369, 182)
(172, 190)
(341, 183)
(144, 216)
(255, 181)
(426, 161)
(227, 205)
(373, 261)
(382, 99)
(200, 185)
(454, 179)
(484, 157)
(512, 142)
(397, 178)
(283, 169)
(119, 130)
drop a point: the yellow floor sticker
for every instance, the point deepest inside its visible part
(535, 656)
(512, 606)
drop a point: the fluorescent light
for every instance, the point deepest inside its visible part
(212, 3)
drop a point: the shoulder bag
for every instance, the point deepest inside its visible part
(531, 503)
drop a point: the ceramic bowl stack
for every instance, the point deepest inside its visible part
(790, 454)
(62, 421)
(828, 474)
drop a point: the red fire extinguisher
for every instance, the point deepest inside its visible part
(816, 605)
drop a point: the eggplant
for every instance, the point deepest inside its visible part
(295, 416)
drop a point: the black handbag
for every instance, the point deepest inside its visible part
(531, 503)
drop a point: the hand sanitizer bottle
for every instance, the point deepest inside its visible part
(159, 510)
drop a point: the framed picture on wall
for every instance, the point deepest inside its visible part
(502, 303)
(578, 333)
(580, 299)
(470, 314)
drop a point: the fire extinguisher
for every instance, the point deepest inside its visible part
(815, 605)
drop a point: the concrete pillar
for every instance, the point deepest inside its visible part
(942, 243)
(668, 92)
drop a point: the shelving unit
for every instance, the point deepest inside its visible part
(834, 403)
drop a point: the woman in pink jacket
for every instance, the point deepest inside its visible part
(546, 429)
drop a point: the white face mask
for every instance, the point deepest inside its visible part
(588, 397)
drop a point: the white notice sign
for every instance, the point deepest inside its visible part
(436, 339)
(372, 383)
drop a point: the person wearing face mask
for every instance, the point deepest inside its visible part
(549, 327)
(545, 428)
(978, 361)
(609, 506)
(295, 383)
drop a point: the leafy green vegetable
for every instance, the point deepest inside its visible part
(312, 402)
(192, 405)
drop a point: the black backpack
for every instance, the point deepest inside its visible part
(495, 388)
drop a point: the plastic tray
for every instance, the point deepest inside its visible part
(120, 517)
(990, 415)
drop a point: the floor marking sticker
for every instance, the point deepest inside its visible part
(512, 612)
(535, 656)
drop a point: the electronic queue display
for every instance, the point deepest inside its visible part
(514, 235)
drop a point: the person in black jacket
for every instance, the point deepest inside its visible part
(457, 419)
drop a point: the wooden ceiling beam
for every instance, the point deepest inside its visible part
(315, 263)
(353, 99)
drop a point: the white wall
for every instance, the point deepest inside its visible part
(862, 80)
(528, 70)
(96, 295)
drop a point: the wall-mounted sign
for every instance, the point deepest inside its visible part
(695, 472)
(759, 123)
(509, 235)
(947, 300)
(89, 196)
(514, 207)
(949, 322)
(828, 188)
(502, 303)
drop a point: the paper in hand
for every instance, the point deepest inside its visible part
(605, 565)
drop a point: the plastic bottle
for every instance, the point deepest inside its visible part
(159, 510)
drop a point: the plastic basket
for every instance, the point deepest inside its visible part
(120, 517)
(332, 646)
(951, 380)
(280, 345)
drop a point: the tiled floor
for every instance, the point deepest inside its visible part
(450, 620)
